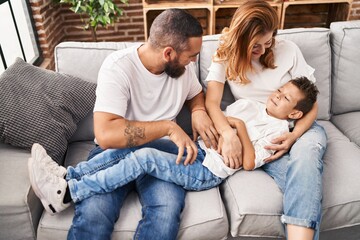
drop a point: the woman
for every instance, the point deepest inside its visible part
(254, 63)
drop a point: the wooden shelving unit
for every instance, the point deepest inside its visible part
(230, 6)
(214, 15)
(318, 13)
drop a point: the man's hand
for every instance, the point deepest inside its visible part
(202, 124)
(282, 144)
(183, 141)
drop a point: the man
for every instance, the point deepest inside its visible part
(140, 92)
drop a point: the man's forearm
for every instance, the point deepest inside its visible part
(122, 133)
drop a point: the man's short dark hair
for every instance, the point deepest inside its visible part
(310, 92)
(173, 28)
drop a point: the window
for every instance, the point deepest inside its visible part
(17, 35)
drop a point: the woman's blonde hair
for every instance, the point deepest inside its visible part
(251, 21)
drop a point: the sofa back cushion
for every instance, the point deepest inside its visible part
(313, 43)
(83, 60)
(345, 40)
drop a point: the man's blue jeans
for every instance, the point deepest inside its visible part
(299, 176)
(162, 203)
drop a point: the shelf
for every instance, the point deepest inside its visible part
(202, 14)
(316, 13)
(230, 8)
(214, 15)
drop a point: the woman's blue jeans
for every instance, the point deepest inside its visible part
(162, 203)
(299, 176)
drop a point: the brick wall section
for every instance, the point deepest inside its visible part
(129, 27)
(55, 23)
(48, 23)
(355, 10)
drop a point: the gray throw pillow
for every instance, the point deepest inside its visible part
(42, 106)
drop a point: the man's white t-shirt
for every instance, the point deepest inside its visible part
(126, 88)
(290, 64)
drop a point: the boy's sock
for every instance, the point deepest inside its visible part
(67, 197)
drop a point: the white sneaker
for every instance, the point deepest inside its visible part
(39, 155)
(49, 187)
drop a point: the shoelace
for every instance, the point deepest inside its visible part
(52, 178)
(51, 165)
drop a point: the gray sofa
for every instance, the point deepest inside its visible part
(247, 205)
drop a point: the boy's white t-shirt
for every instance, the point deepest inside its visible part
(261, 128)
(290, 64)
(126, 88)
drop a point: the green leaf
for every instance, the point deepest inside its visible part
(99, 12)
(77, 7)
(93, 23)
(111, 5)
(106, 7)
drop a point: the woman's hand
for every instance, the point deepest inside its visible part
(231, 149)
(202, 124)
(282, 144)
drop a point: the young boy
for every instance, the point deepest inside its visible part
(264, 122)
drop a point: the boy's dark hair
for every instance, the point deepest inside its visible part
(173, 27)
(310, 92)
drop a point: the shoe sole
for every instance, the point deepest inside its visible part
(48, 207)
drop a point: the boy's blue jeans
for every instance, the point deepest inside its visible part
(114, 168)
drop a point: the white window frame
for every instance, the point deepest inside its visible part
(18, 36)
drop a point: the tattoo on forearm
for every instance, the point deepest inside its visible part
(133, 133)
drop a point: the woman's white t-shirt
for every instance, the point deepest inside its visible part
(290, 64)
(126, 88)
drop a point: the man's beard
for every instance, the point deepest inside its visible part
(174, 69)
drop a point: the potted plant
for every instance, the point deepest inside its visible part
(99, 12)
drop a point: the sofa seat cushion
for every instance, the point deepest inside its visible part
(20, 209)
(204, 215)
(341, 182)
(254, 202)
(349, 124)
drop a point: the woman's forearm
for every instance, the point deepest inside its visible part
(212, 103)
(303, 124)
